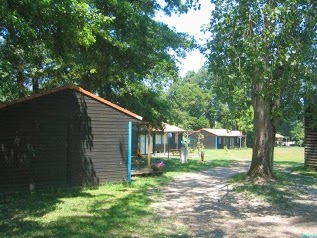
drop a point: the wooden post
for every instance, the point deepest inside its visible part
(129, 151)
(149, 148)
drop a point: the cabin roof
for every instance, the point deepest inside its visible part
(172, 128)
(224, 132)
(75, 88)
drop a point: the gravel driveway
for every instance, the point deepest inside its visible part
(203, 204)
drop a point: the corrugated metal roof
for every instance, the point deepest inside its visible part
(224, 132)
(78, 89)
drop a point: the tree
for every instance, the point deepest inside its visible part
(102, 46)
(38, 36)
(260, 51)
(190, 100)
(297, 133)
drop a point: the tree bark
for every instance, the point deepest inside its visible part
(36, 87)
(20, 81)
(86, 82)
(263, 140)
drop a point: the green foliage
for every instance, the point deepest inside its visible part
(112, 48)
(190, 100)
(265, 43)
(261, 53)
(297, 133)
(152, 104)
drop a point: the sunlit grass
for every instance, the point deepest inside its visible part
(123, 210)
(290, 178)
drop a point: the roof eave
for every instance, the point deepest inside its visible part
(78, 89)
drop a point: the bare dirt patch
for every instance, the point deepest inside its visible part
(203, 204)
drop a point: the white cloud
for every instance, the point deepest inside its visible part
(193, 62)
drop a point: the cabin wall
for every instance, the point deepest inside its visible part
(310, 144)
(209, 140)
(62, 139)
(33, 143)
(99, 144)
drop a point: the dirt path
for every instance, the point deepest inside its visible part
(204, 205)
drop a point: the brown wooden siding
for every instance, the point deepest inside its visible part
(209, 140)
(99, 154)
(62, 139)
(33, 143)
(310, 144)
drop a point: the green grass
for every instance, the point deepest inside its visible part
(281, 192)
(123, 210)
(112, 210)
(291, 178)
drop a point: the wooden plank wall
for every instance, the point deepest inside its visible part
(310, 144)
(100, 140)
(209, 140)
(33, 143)
(62, 139)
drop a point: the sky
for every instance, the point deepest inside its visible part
(191, 23)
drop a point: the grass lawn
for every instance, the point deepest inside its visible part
(291, 179)
(115, 210)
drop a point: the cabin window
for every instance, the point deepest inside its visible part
(158, 139)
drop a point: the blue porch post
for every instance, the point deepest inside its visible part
(216, 142)
(129, 150)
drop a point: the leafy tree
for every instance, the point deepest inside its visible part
(297, 133)
(37, 36)
(113, 48)
(190, 100)
(260, 50)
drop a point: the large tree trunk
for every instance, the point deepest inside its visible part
(264, 138)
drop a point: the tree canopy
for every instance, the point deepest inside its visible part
(112, 48)
(261, 53)
(190, 100)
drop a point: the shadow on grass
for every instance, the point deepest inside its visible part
(285, 192)
(16, 208)
(122, 217)
(126, 213)
(192, 165)
(17, 213)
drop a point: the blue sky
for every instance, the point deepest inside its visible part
(191, 23)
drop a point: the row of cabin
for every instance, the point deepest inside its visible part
(71, 137)
(212, 139)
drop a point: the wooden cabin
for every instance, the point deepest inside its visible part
(219, 138)
(64, 137)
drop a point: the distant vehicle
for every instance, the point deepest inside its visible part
(288, 143)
